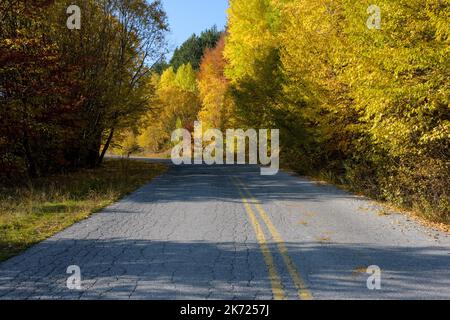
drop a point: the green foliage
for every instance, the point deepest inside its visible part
(191, 51)
(160, 66)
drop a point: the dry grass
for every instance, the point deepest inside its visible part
(30, 214)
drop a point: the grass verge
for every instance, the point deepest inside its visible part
(30, 214)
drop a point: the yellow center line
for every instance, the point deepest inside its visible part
(303, 291)
(275, 280)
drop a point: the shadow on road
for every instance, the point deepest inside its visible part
(122, 269)
(189, 183)
(143, 265)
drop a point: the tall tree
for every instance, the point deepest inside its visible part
(217, 105)
(191, 51)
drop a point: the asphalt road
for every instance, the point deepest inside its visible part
(200, 232)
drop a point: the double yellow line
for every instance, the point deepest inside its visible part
(277, 286)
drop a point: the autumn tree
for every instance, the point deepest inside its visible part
(176, 104)
(217, 105)
(367, 106)
(66, 92)
(38, 92)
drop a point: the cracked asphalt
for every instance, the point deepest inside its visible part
(226, 232)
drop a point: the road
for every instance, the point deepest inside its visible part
(226, 232)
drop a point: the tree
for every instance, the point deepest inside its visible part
(136, 39)
(176, 102)
(37, 92)
(252, 26)
(66, 92)
(217, 105)
(191, 51)
(368, 106)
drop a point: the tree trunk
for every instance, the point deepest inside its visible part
(93, 151)
(107, 144)
(31, 164)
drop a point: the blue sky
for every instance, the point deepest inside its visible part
(193, 16)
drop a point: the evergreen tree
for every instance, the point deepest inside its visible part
(191, 51)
